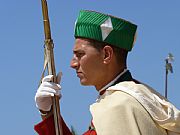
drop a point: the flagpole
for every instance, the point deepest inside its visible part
(166, 79)
(168, 66)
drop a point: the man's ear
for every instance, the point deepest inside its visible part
(108, 54)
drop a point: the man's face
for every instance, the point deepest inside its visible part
(88, 62)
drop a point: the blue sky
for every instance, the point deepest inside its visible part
(21, 54)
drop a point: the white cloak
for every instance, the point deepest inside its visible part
(134, 109)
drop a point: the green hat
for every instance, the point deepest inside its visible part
(105, 28)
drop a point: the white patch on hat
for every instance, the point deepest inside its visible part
(75, 25)
(106, 28)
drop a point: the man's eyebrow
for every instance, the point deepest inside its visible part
(78, 51)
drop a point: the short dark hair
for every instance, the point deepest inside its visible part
(121, 54)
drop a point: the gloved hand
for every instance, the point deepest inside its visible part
(46, 90)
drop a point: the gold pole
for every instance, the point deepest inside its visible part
(49, 55)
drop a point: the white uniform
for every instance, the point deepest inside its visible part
(118, 112)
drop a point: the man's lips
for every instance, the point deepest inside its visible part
(79, 74)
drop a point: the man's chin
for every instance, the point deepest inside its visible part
(84, 82)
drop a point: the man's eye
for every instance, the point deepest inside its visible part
(79, 55)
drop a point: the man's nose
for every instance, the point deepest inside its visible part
(74, 63)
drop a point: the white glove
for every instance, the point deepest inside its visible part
(46, 90)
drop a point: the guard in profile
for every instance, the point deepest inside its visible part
(125, 106)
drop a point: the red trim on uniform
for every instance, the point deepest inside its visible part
(90, 132)
(46, 127)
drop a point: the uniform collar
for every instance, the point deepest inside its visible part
(121, 77)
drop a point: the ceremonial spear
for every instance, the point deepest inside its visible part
(50, 65)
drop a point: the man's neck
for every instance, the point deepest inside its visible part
(110, 81)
